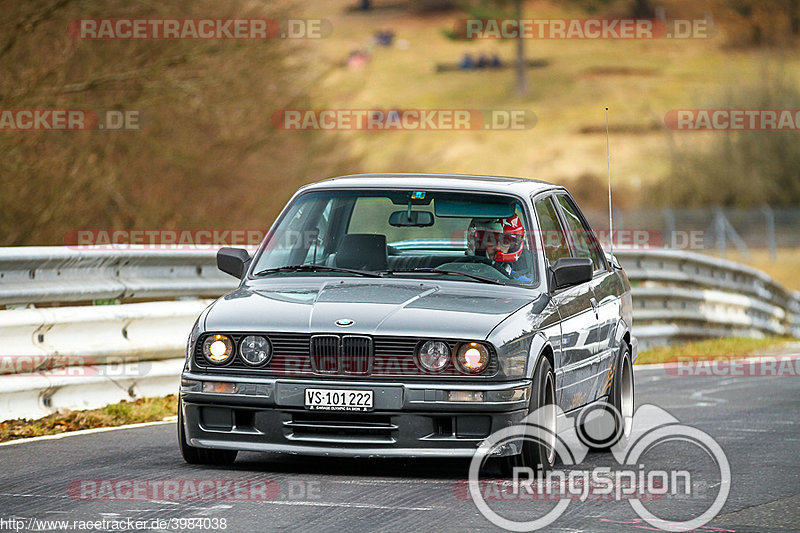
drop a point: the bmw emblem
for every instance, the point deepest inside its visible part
(344, 322)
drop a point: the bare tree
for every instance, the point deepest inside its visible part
(205, 154)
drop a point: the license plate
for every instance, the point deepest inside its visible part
(338, 400)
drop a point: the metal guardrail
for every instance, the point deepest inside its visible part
(74, 357)
(45, 274)
(82, 357)
(682, 295)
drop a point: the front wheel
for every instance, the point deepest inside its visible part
(201, 456)
(539, 446)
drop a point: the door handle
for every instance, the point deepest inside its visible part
(594, 307)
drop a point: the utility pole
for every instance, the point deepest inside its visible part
(522, 84)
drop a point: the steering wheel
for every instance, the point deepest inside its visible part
(476, 259)
(477, 265)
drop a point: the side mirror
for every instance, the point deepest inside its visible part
(569, 271)
(233, 261)
(419, 219)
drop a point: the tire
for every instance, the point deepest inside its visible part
(201, 456)
(538, 450)
(608, 425)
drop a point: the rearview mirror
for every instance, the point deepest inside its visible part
(411, 218)
(233, 261)
(569, 271)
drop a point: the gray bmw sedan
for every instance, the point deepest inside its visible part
(410, 315)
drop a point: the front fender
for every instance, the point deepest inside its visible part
(523, 335)
(619, 333)
(625, 327)
(538, 346)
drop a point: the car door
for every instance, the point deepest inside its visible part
(573, 358)
(605, 299)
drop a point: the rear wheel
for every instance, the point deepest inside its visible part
(201, 456)
(607, 425)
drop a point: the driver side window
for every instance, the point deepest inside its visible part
(553, 237)
(583, 237)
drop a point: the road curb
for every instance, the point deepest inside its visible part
(167, 420)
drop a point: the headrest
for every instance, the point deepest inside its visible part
(362, 251)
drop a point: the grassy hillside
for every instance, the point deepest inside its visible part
(208, 157)
(639, 80)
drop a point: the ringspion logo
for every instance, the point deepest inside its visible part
(636, 476)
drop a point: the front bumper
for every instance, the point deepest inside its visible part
(408, 420)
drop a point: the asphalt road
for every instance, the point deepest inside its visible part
(754, 419)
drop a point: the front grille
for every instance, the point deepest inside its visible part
(349, 354)
(325, 354)
(356, 355)
(305, 355)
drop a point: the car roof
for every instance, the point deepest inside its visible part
(470, 182)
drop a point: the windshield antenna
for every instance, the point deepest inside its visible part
(610, 215)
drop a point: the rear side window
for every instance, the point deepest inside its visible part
(583, 237)
(552, 232)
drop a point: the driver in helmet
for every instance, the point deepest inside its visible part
(501, 241)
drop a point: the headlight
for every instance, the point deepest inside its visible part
(218, 349)
(471, 357)
(433, 356)
(255, 350)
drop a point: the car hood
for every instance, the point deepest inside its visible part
(375, 307)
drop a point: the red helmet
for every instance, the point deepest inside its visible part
(495, 233)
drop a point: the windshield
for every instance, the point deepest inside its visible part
(481, 238)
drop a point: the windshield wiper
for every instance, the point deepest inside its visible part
(421, 270)
(318, 268)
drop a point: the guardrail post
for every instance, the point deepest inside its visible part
(769, 215)
(669, 226)
(719, 227)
